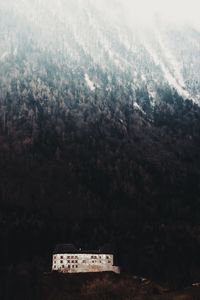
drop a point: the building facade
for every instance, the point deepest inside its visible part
(67, 259)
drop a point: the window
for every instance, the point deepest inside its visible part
(76, 261)
(63, 266)
(84, 261)
(107, 257)
(61, 261)
(68, 257)
(109, 262)
(72, 261)
(61, 257)
(72, 266)
(72, 257)
(68, 266)
(54, 267)
(68, 261)
(76, 266)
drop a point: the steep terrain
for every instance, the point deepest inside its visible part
(99, 136)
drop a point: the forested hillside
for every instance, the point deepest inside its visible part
(95, 152)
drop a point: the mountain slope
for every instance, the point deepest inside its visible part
(99, 136)
(81, 36)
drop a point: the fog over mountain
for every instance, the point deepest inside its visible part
(151, 43)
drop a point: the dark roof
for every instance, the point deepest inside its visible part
(70, 248)
(65, 248)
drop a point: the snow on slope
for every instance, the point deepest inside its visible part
(90, 84)
(146, 52)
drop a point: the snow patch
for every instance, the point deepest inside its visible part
(90, 83)
(4, 55)
(171, 60)
(168, 76)
(138, 107)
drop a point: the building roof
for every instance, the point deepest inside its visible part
(65, 248)
(70, 248)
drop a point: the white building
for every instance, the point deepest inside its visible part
(67, 259)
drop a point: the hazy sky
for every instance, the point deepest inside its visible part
(131, 11)
(176, 11)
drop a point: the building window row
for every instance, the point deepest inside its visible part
(70, 266)
(76, 261)
(68, 257)
(70, 261)
(95, 257)
(76, 257)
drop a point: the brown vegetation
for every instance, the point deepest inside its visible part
(109, 287)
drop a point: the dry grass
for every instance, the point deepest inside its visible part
(109, 287)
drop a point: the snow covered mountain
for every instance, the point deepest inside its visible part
(99, 46)
(99, 131)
